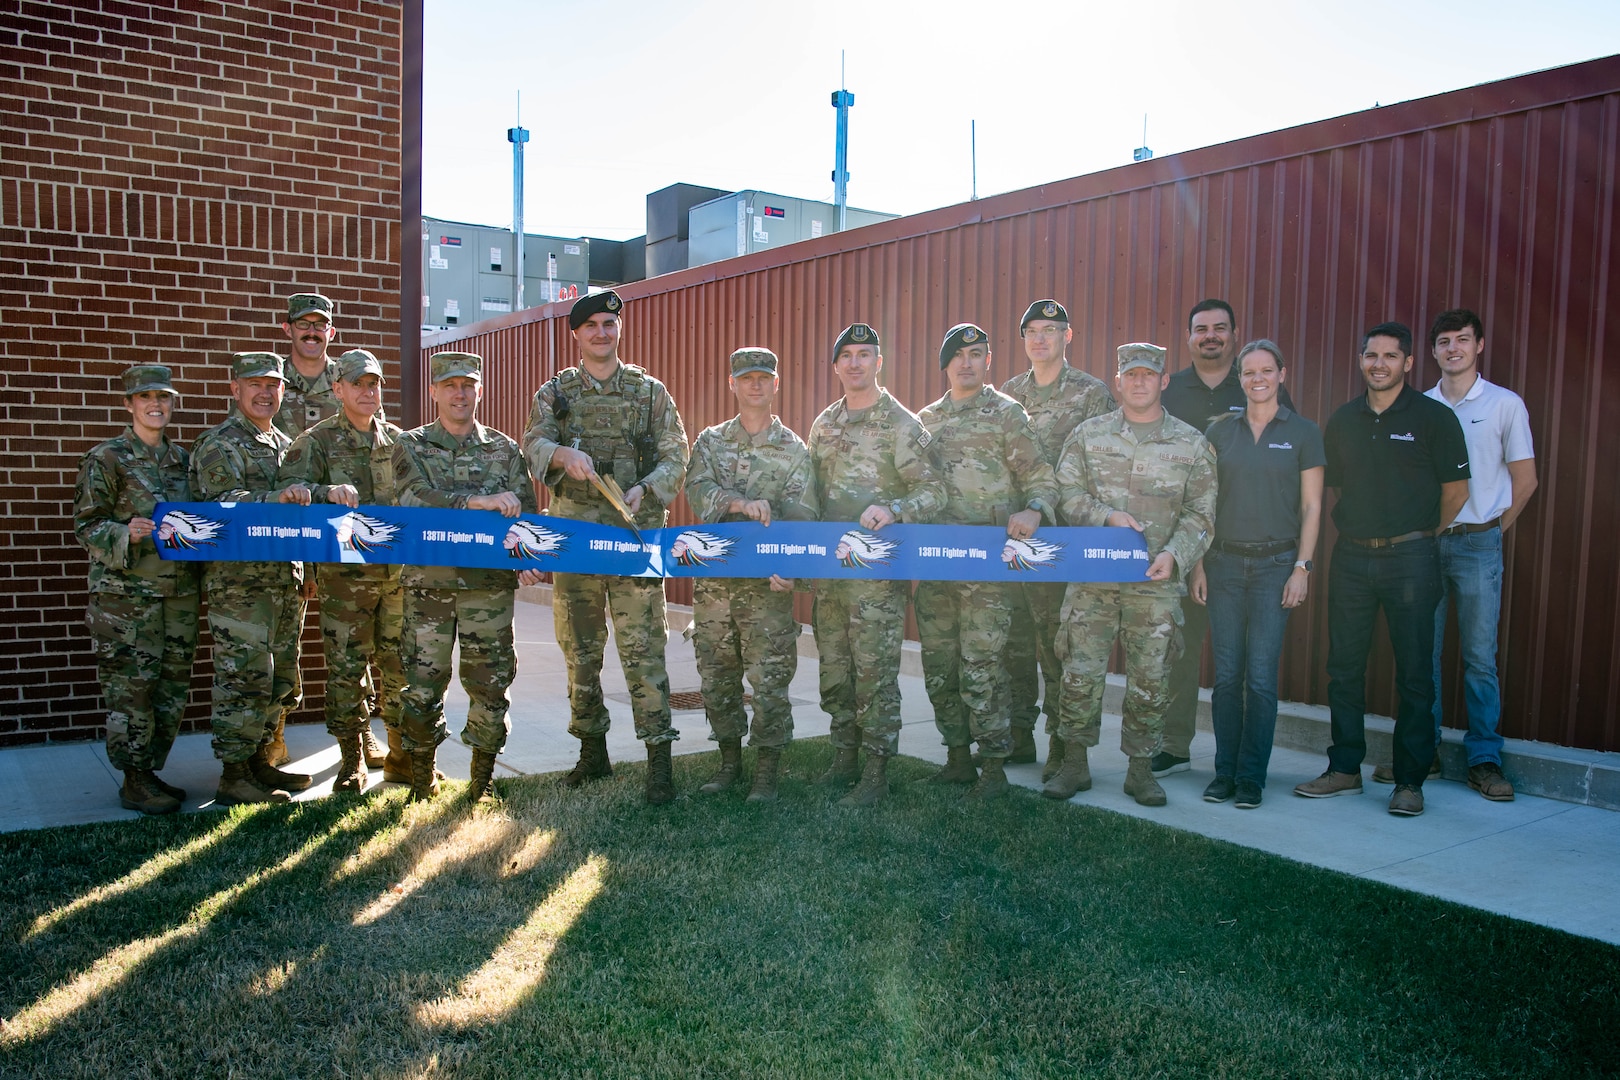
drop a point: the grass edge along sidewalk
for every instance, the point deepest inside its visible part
(584, 934)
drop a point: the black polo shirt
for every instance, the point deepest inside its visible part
(1189, 400)
(1258, 498)
(1389, 466)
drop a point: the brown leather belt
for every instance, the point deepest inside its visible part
(1484, 526)
(1390, 541)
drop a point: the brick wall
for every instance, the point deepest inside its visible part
(169, 172)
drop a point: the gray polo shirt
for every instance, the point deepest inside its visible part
(1259, 478)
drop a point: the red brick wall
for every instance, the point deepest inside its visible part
(169, 172)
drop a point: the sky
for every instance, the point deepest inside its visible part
(625, 98)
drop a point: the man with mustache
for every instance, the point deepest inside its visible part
(255, 609)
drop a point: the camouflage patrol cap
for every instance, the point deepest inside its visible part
(753, 358)
(254, 365)
(856, 334)
(139, 378)
(1044, 309)
(1141, 354)
(448, 365)
(357, 363)
(961, 336)
(308, 303)
(594, 304)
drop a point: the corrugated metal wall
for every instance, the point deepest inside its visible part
(1501, 198)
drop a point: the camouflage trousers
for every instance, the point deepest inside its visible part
(256, 630)
(144, 648)
(860, 626)
(1034, 673)
(434, 621)
(581, 604)
(1146, 619)
(962, 627)
(360, 628)
(740, 625)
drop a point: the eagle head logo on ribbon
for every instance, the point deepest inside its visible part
(693, 548)
(363, 534)
(858, 550)
(526, 540)
(1030, 554)
(180, 529)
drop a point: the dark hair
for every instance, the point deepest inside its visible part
(1265, 345)
(1211, 305)
(1456, 319)
(1399, 331)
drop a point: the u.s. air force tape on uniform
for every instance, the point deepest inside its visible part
(266, 532)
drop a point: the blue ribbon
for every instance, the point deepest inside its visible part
(327, 533)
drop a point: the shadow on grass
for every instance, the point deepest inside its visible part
(585, 934)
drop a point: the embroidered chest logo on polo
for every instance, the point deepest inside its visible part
(1408, 437)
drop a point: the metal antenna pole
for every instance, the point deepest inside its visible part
(517, 136)
(973, 152)
(842, 99)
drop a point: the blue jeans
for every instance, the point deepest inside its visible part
(1405, 581)
(1471, 573)
(1246, 624)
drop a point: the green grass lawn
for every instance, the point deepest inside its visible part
(584, 934)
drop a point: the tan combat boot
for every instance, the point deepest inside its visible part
(351, 772)
(276, 749)
(396, 765)
(958, 767)
(766, 764)
(992, 782)
(481, 788)
(845, 766)
(1054, 757)
(874, 783)
(593, 762)
(1140, 785)
(237, 784)
(141, 792)
(1023, 746)
(371, 749)
(1073, 774)
(730, 770)
(268, 776)
(424, 774)
(660, 781)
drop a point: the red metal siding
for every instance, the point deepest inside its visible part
(1500, 198)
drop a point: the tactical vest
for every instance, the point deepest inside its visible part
(614, 429)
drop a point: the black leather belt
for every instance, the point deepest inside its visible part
(1255, 551)
(1484, 526)
(1390, 541)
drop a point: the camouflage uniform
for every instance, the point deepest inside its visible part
(444, 604)
(993, 467)
(362, 605)
(740, 623)
(629, 426)
(306, 402)
(1054, 411)
(255, 609)
(143, 610)
(1166, 481)
(875, 456)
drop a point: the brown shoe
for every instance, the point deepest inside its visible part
(1331, 783)
(1140, 784)
(140, 792)
(396, 765)
(1406, 801)
(1385, 774)
(375, 755)
(1487, 779)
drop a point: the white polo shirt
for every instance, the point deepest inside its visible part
(1497, 427)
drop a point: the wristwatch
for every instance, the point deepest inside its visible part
(1305, 565)
(894, 508)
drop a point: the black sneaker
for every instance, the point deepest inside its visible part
(1220, 789)
(1164, 764)
(1248, 795)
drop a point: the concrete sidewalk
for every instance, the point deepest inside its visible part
(1545, 861)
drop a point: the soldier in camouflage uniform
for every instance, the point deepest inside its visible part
(995, 474)
(143, 610)
(457, 463)
(610, 417)
(1057, 397)
(873, 465)
(750, 468)
(1138, 468)
(348, 459)
(255, 610)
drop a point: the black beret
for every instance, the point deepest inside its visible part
(960, 336)
(1044, 309)
(856, 334)
(586, 306)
